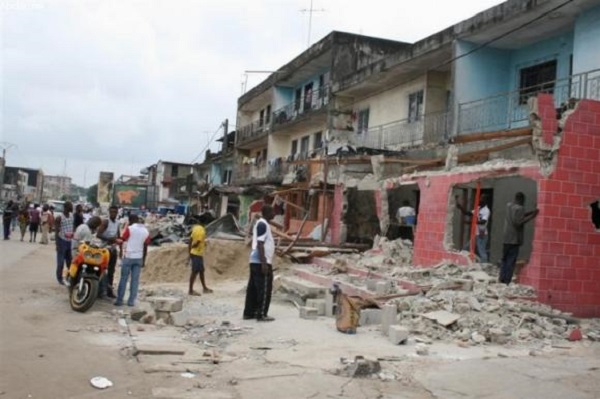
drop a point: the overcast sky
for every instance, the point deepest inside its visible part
(116, 85)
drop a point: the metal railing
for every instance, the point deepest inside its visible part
(510, 110)
(254, 130)
(317, 99)
(266, 172)
(428, 128)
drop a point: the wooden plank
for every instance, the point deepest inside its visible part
(500, 134)
(487, 151)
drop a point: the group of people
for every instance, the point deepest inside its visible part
(28, 217)
(130, 245)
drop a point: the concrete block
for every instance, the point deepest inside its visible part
(369, 317)
(397, 334)
(371, 283)
(305, 288)
(166, 304)
(180, 319)
(308, 313)
(389, 317)
(318, 304)
(329, 304)
(383, 287)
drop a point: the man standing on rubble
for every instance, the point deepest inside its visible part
(516, 217)
(482, 235)
(260, 283)
(109, 233)
(196, 250)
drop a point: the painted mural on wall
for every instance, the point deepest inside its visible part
(130, 196)
(105, 183)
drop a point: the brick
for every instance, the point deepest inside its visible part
(574, 201)
(590, 178)
(550, 185)
(583, 189)
(575, 286)
(563, 261)
(580, 128)
(592, 154)
(565, 212)
(567, 187)
(398, 334)
(554, 273)
(583, 274)
(594, 239)
(569, 162)
(586, 141)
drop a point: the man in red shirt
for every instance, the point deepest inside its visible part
(136, 239)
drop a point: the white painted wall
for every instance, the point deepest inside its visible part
(280, 146)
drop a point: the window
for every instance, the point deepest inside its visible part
(535, 79)
(268, 114)
(304, 144)
(294, 147)
(415, 106)
(297, 99)
(308, 94)
(363, 121)
(318, 143)
(227, 176)
(174, 170)
(261, 119)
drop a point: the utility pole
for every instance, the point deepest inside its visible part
(310, 12)
(5, 146)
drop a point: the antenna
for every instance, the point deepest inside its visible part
(310, 12)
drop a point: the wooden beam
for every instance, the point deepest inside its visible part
(501, 134)
(487, 151)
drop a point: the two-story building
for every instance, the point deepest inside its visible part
(162, 177)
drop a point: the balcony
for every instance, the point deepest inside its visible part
(252, 135)
(510, 110)
(264, 173)
(428, 128)
(302, 108)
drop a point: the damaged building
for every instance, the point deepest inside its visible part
(507, 101)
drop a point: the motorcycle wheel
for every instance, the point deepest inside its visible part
(82, 301)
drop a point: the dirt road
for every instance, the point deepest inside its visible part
(49, 351)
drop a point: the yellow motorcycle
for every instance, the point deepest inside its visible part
(85, 273)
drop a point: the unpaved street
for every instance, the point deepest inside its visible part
(49, 351)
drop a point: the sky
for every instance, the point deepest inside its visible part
(116, 85)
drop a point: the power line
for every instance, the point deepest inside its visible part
(207, 144)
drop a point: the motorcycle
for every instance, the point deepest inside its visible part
(85, 273)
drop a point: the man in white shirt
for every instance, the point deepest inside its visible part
(260, 283)
(406, 214)
(136, 239)
(482, 235)
(84, 232)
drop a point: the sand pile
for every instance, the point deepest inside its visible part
(223, 260)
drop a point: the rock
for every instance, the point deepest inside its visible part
(523, 333)
(498, 336)
(477, 338)
(166, 304)
(422, 349)
(137, 314)
(480, 276)
(163, 316)
(308, 313)
(362, 367)
(462, 308)
(397, 334)
(148, 319)
(442, 317)
(474, 303)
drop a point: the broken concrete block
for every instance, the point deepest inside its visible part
(308, 313)
(369, 317)
(371, 284)
(362, 367)
(480, 276)
(162, 316)
(442, 317)
(498, 336)
(166, 304)
(179, 319)
(422, 349)
(397, 334)
(383, 287)
(389, 317)
(318, 304)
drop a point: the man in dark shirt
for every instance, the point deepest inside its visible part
(516, 217)
(7, 217)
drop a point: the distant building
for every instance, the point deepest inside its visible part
(162, 177)
(55, 187)
(22, 184)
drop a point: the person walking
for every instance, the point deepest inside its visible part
(482, 234)
(196, 249)
(34, 222)
(23, 221)
(45, 224)
(136, 238)
(109, 233)
(514, 224)
(78, 216)
(7, 218)
(260, 282)
(63, 231)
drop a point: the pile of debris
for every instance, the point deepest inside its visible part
(168, 229)
(385, 255)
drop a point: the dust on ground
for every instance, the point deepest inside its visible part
(223, 260)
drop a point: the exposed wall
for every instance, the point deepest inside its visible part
(436, 94)
(586, 55)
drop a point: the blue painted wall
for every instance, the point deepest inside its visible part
(216, 174)
(586, 46)
(481, 74)
(559, 48)
(282, 97)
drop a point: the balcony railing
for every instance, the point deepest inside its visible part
(509, 110)
(266, 172)
(312, 102)
(428, 128)
(252, 132)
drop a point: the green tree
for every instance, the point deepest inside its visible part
(92, 194)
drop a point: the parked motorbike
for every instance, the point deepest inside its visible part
(85, 273)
